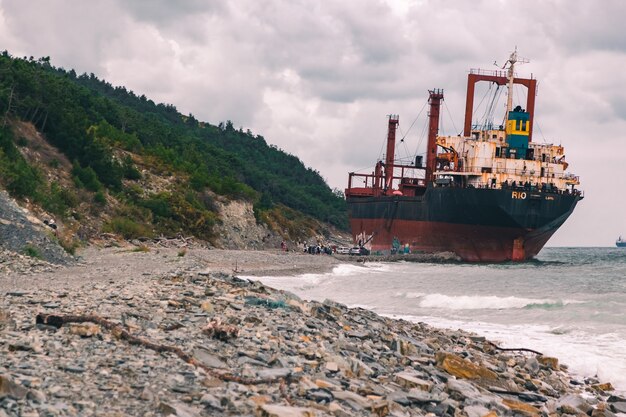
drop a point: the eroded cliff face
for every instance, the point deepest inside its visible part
(238, 228)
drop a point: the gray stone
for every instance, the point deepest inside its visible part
(532, 365)
(273, 410)
(411, 380)
(531, 397)
(211, 401)
(358, 334)
(320, 395)
(245, 360)
(445, 408)
(615, 398)
(618, 407)
(8, 388)
(59, 391)
(36, 396)
(461, 389)
(274, 373)
(331, 367)
(353, 399)
(573, 402)
(147, 395)
(476, 411)
(181, 389)
(76, 369)
(208, 359)
(419, 396)
(400, 397)
(177, 409)
(602, 413)
(359, 368)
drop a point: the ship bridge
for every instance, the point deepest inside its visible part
(486, 160)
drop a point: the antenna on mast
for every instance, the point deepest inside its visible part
(513, 59)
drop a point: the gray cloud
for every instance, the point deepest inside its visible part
(64, 30)
(583, 26)
(165, 12)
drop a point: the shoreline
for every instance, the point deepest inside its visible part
(120, 263)
(255, 350)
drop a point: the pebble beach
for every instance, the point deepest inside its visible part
(165, 331)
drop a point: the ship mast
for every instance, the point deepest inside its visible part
(434, 99)
(513, 59)
(391, 150)
(510, 76)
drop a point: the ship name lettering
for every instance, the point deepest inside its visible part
(518, 195)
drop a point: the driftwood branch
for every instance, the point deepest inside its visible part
(514, 349)
(120, 332)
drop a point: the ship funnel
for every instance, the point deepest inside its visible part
(434, 100)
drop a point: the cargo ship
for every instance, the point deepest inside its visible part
(488, 195)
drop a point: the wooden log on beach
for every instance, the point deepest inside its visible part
(121, 333)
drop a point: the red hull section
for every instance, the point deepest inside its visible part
(473, 243)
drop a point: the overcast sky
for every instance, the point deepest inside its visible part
(317, 78)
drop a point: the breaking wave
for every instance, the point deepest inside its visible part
(402, 294)
(546, 305)
(477, 302)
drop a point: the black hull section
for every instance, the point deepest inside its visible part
(477, 224)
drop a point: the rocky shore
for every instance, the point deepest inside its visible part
(126, 332)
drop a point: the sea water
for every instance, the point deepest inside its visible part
(568, 302)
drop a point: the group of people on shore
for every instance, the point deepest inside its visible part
(316, 249)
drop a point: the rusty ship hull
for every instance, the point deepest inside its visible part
(478, 225)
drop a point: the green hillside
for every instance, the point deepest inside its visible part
(103, 130)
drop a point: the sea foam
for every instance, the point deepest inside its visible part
(481, 302)
(586, 354)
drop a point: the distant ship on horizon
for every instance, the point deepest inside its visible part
(620, 243)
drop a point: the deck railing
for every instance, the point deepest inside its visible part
(548, 173)
(370, 183)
